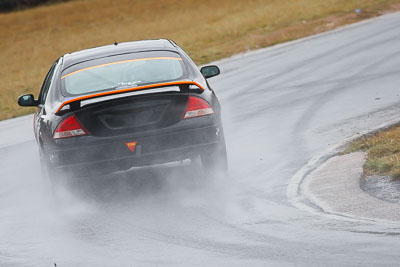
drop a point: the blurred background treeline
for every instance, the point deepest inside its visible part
(11, 5)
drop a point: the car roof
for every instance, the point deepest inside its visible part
(116, 49)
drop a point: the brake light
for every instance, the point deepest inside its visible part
(69, 127)
(197, 107)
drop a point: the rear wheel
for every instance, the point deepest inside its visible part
(215, 159)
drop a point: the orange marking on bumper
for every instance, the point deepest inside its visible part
(131, 146)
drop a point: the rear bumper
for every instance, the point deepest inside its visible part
(153, 149)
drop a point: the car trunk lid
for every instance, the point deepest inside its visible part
(133, 114)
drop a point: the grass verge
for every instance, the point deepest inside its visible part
(208, 30)
(383, 152)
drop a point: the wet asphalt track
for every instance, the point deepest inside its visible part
(282, 106)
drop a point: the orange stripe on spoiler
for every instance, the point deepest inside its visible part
(119, 62)
(127, 90)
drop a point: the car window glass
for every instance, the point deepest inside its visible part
(120, 72)
(46, 84)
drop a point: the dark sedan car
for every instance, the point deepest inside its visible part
(138, 103)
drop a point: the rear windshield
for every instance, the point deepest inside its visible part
(122, 71)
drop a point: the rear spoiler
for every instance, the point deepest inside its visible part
(88, 99)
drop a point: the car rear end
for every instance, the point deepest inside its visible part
(132, 123)
(144, 130)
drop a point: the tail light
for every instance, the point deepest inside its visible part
(69, 127)
(197, 107)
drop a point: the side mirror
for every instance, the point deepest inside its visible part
(210, 71)
(27, 101)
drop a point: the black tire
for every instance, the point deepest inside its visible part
(215, 159)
